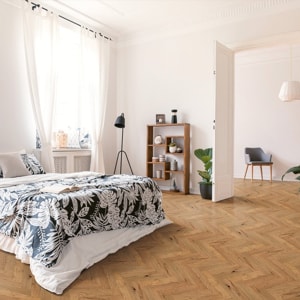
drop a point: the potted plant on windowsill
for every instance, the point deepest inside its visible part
(205, 155)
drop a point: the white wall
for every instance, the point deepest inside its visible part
(155, 78)
(175, 71)
(261, 119)
(155, 75)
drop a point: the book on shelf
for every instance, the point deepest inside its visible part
(59, 188)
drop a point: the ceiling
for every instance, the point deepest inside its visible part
(121, 18)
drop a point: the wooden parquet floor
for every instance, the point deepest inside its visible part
(247, 247)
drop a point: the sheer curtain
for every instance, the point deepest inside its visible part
(42, 43)
(95, 54)
(40, 35)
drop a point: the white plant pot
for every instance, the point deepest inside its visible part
(172, 149)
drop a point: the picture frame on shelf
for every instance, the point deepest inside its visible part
(160, 118)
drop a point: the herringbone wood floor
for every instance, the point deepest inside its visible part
(247, 247)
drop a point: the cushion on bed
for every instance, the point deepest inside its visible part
(11, 165)
(22, 151)
(32, 164)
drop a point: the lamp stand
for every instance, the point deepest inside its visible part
(120, 155)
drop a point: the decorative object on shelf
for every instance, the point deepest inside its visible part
(174, 116)
(173, 186)
(154, 159)
(173, 165)
(205, 155)
(172, 147)
(162, 158)
(85, 142)
(61, 139)
(179, 150)
(158, 140)
(158, 173)
(74, 135)
(160, 119)
(120, 123)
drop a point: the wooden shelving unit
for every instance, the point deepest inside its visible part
(180, 134)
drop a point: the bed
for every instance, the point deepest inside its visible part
(59, 234)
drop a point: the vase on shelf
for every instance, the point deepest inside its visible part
(172, 147)
(174, 116)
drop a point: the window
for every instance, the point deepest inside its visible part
(68, 75)
(71, 117)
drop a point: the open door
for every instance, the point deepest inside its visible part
(223, 124)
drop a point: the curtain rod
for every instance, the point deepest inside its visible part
(34, 5)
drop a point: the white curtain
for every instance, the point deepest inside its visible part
(42, 42)
(40, 33)
(95, 53)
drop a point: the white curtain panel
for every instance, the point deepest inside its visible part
(42, 44)
(95, 56)
(40, 33)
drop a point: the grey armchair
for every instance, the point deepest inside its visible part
(257, 157)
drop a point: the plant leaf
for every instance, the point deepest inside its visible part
(205, 175)
(295, 170)
(203, 154)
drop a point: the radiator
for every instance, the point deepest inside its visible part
(67, 161)
(60, 164)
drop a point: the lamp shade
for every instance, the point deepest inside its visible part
(289, 91)
(120, 121)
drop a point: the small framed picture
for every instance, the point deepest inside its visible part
(160, 118)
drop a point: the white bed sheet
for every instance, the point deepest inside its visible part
(6, 182)
(81, 252)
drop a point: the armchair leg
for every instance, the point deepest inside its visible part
(261, 173)
(271, 173)
(246, 171)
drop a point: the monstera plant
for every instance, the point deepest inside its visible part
(295, 170)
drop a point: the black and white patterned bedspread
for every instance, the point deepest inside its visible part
(43, 223)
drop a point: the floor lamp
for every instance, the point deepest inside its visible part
(120, 123)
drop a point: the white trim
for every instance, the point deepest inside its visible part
(267, 42)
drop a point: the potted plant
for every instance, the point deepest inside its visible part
(205, 155)
(295, 170)
(172, 147)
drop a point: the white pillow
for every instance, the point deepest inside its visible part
(12, 165)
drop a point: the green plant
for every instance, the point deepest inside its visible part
(172, 144)
(205, 155)
(295, 170)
